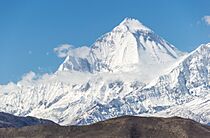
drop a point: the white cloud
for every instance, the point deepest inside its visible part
(29, 76)
(32, 78)
(70, 50)
(206, 19)
(64, 50)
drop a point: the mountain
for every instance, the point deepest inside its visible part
(126, 127)
(8, 120)
(128, 71)
(129, 46)
(77, 61)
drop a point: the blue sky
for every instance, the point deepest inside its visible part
(30, 29)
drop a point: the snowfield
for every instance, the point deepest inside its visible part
(128, 71)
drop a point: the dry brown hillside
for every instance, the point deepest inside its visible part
(122, 127)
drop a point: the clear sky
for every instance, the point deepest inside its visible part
(30, 29)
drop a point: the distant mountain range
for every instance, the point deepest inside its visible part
(122, 127)
(128, 71)
(8, 120)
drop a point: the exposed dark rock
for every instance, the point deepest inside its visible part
(9, 120)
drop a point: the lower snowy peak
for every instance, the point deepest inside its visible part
(72, 63)
(77, 60)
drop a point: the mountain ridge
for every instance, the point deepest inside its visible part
(8, 120)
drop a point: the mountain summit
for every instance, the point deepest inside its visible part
(133, 25)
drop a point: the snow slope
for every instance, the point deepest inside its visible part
(128, 71)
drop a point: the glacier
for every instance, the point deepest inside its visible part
(128, 71)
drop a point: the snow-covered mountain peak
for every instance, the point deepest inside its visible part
(133, 25)
(208, 44)
(203, 49)
(204, 46)
(77, 60)
(130, 44)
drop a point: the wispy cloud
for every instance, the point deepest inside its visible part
(206, 19)
(63, 50)
(29, 76)
(69, 50)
